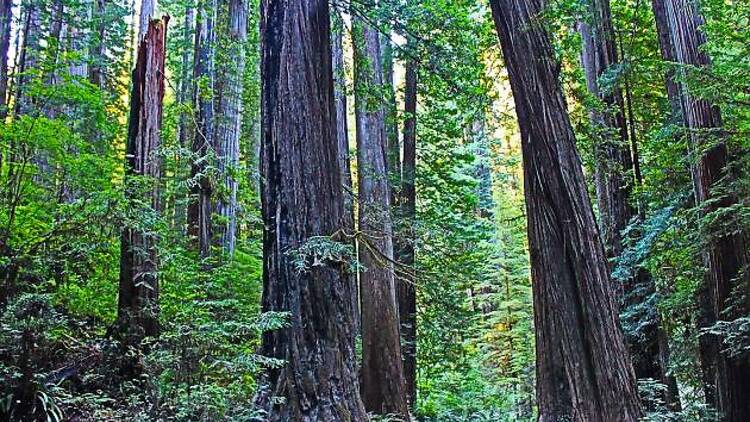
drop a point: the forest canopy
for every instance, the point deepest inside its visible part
(375, 210)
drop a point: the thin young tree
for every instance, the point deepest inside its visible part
(382, 369)
(342, 138)
(303, 206)
(6, 21)
(407, 293)
(584, 372)
(137, 308)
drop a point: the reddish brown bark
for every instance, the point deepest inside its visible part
(137, 308)
(229, 88)
(615, 184)
(727, 379)
(200, 209)
(584, 372)
(301, 198)
(382, 369)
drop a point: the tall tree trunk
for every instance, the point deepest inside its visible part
(99, 49)
(342, 138)
(382, 369)
(199, 209)
(6, 20)
(614, 161)
(139, 288)
(666, 47)
(407, 293)
(584, 372)
(229, 84)
(185, 81)
(725, 254)
(148, 7)
(302, 203)
(393, 149)
(30, 52)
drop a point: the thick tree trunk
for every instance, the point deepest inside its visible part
(668, 55)
(302, 201)
(199, 209)
(139, 288)
(407, 293)
(725, 253)
(6, 19)
(229, 84)
(382, 369)
(584, 371)
(342, 140)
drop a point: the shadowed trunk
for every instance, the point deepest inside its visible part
(393, 149)
(407, 293)
(727, 379)
(382, 369)
(342, 140)
(229, 84)
(6, 19)
(615, 185)
(302, 203)
(98, 53)
(137, 309)
(199, 209)
(29, 57)
(584, 372)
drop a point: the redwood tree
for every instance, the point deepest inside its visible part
(230, 65)
(614, 184)
(139, 288)
(302, 206)
(199, 209)
(727, 379)
(584, 372)
(342, 141)
(382, 370)
(407, 293)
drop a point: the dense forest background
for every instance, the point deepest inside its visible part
(293, 210)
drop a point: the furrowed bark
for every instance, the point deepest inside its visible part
(137, 309)
(199, 209)
(615, 185)
(229, 84)
(584, 372)
(301, 199)
(382, 369)
(727, 379)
